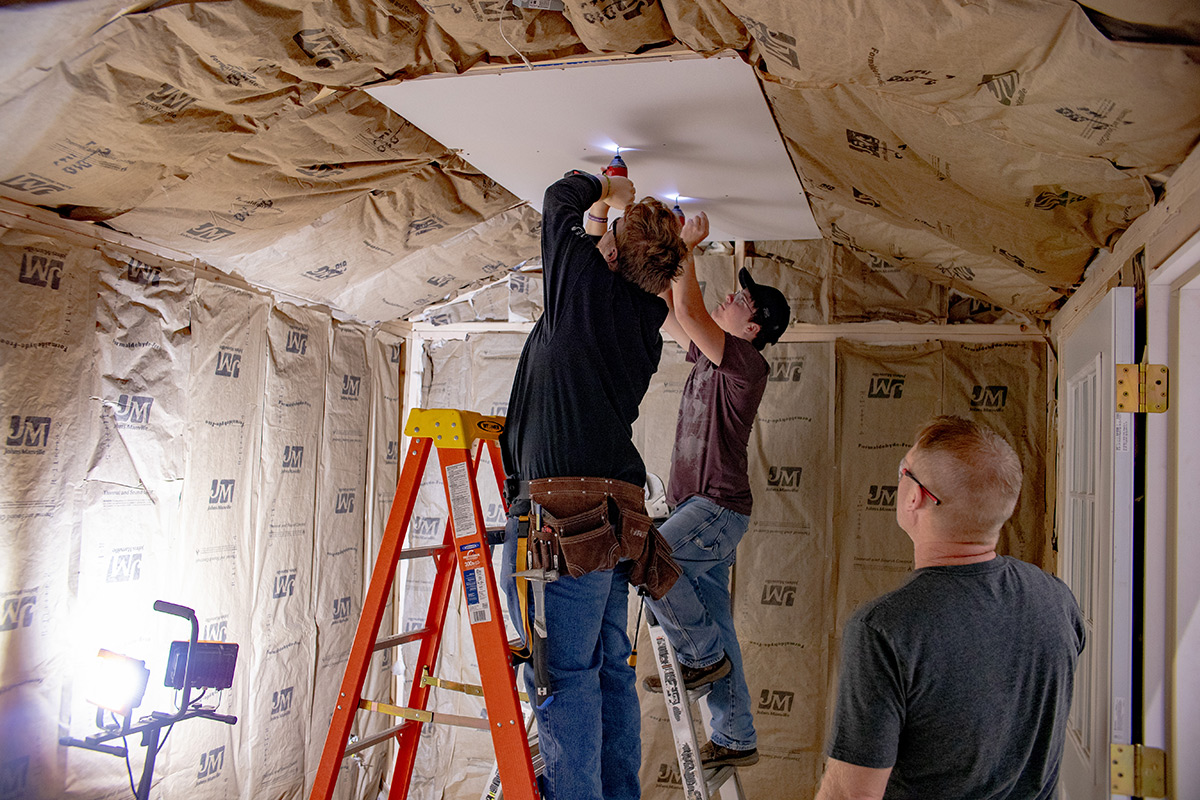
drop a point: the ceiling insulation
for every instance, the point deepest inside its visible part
(990, 147)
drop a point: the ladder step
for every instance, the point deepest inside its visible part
(402, 638)
(371, 741)
(714, 779)
(422, 552)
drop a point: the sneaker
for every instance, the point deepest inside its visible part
(713, 755)
(693, 677)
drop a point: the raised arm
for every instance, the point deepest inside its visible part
(671, 323)
(617, 192)
(696, 324)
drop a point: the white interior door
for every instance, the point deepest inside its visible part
(1095, 525)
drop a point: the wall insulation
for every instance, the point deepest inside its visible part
(836, 418)
(169, 437)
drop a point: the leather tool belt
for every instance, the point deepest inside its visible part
(590, 524)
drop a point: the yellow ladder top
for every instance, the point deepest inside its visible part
(452, 428)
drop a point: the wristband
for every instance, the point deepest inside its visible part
(607, 185)
(594, 218)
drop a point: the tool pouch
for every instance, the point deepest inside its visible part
(654, 571)
(586, 538)
(598, 522)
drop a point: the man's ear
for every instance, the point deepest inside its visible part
(752, 329)
(608, 250)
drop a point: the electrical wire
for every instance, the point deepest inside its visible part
(129, 769)
(128, 766)
(500, 24)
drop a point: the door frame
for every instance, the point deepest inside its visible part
(1171, 682)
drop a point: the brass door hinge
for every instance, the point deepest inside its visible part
(1139, 771)
(1142, 388)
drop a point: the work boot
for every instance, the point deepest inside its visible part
(693, 677)
(714, 755)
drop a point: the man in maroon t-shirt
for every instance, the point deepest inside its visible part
(710, 490)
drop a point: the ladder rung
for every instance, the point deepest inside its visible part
(715, 779)
(401, 638)
(371, 741)
(422, 552)
(421, 715)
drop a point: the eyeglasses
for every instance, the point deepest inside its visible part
(906, 472)
(743, 298)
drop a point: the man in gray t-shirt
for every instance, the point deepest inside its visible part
(957, 684)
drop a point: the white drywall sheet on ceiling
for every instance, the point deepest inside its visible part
(693, 127)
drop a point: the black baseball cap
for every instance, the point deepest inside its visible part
(771, 310)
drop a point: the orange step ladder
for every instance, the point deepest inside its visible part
(464, 551)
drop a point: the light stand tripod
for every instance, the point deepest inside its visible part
(151, 726)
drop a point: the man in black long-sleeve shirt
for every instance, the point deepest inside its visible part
(582, 375)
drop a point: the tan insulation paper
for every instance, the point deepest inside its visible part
(705, 26)
(618, 25)
(477, 28)
(1017, 113)
(1037, 74)
(490, 303)
(525, 296)
(143, 331)
(309, 163)
(443, 269)
(717, 278)
(866, 287)
(884, 394)
(339, 554)
(861, 285)
(1045, 216)
(445, 382)
(782, 596)
(380, 390)
(928, 52)
(280, 657)
(214, 550)
(783, 566)
(190, 467)
(109, 127)
(403, 239)
(45, 356)
(1000, 385)
(36, 38)
(924, 252)
(1137, 105)
(137, 454)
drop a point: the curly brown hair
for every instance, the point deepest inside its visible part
(649, 246)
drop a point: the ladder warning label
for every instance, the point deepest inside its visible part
(475, 590)
(461, 507)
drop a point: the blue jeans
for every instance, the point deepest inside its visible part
(590, 732)
(697, 614)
